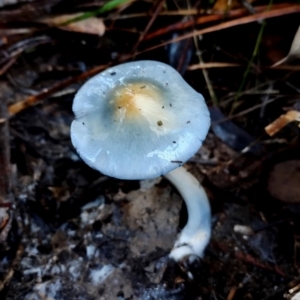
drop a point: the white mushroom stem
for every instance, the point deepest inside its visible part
(195, 236)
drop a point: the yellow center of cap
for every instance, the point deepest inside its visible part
(139, 101)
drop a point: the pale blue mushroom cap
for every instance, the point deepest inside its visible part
(138, 120)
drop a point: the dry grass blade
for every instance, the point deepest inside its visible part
(294, 52)
(292, 9)
(158, 8)
(13, 52)
(12, 31)
(211, 65)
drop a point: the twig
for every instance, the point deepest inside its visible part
(246, 111)
(7, 65)
(204, 19)
(282, 121)
(32, 100)
(254, 261)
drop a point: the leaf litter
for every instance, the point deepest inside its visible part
(69, 232)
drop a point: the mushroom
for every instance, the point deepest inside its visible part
(141, 120)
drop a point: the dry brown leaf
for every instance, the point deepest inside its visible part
(91, 25)
(294, 52)
(224, 5)
(283, 120)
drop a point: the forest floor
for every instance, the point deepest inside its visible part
(70, 232)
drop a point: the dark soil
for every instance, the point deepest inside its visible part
(69, 232)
